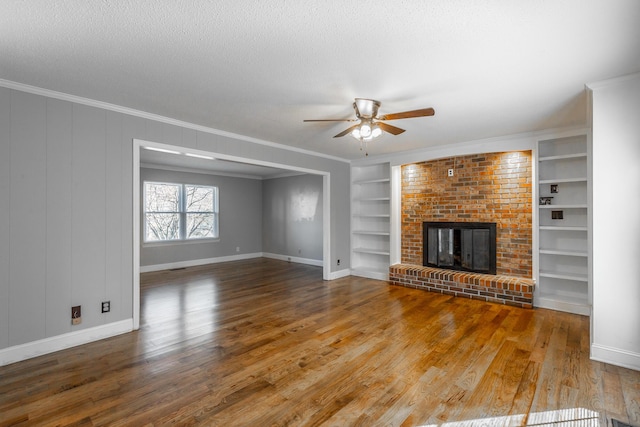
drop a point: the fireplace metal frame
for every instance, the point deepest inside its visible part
(491, 226)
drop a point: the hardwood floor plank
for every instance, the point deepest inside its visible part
(265, 342)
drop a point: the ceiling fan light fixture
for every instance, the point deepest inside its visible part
(376, 131)
(356, 133)
(365, 130)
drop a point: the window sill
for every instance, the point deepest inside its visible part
(178, 242)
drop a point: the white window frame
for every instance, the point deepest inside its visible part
(182, 214)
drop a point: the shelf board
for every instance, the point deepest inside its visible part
(562, 157)
(562, 228)
(374, 199)
(563, 180)
(566, 276)
(371, 251)
(372, 232)
(576, 206)
(371, 181)
(582, 254)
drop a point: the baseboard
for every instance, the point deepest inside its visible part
(308, 261)
(339, 274)
(615, 356)
(61, 342)
(376, 275)
(197, 262)
(568, 307)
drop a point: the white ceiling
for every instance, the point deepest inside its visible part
(258, 68)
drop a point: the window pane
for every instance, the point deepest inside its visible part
(162, 226)
(201, 225)
(162, 197)
(199, 199)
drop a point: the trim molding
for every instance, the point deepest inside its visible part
(615, 356)
(197, 262)
(513, 142)
(612, 81)
(158, 118)
(205, 261)
(339, 274)
(308, 261)
(61, 342)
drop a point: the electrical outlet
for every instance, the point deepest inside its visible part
(450, 172)
(106, 306)
(237, 248)
(76, 315)
(338, 262)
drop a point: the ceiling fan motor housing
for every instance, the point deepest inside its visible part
(366, 108)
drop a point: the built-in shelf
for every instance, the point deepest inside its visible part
(563, 157)
(371, 181)
(374, 199)
(371, 251)
(371, 232)
(370, 220)
(562, 228)
(581, 254)
(580, 206)
(566, 276)
(563, 276)
(562, 180)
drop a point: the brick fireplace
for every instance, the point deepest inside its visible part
(490, 187)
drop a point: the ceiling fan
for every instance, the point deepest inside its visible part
(371, 126)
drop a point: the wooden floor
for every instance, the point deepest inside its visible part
(264, 342)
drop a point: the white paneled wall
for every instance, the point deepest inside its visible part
(67, 180)
(58, 221)
(66, 213)
(27, 218)
(5, 212)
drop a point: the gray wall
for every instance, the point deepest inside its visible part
(240, 219)
(292, 216)
(66, 189)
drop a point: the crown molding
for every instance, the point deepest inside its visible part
(613, 81)
(158, 118)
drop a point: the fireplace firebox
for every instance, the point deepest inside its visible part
(464, 246)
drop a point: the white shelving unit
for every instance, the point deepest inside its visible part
(370, 222)
(564, 264)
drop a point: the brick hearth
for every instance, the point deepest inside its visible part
(490, 187)
(508, 290)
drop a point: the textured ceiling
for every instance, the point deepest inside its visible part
(258, 68)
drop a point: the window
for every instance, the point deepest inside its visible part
(174, 212)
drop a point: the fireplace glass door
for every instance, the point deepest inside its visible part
(475, 249)
(445, 246)
(460, 246)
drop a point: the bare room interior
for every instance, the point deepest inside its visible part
(320, 213)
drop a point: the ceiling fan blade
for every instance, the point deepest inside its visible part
(409, 114)
(329, 120)
(346, 131)
(388, 128)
